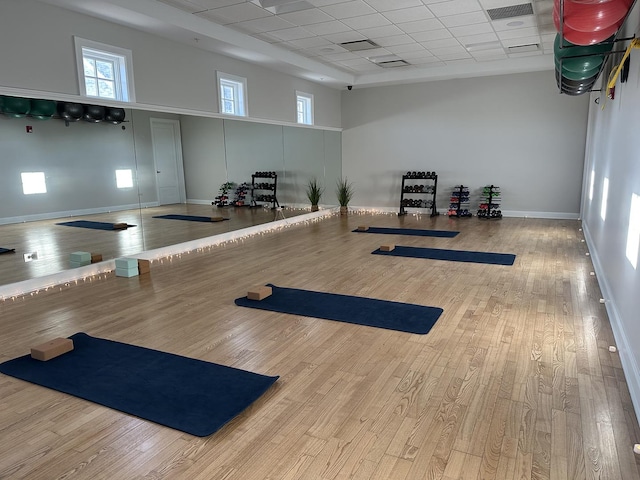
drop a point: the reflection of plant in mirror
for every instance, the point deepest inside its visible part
(314, 193)
(344, 191)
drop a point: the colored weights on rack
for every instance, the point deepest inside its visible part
(416, 203)
(420, 175)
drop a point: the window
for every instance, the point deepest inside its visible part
(605, 196)
(593, 177)
(633, 235)
(304, 105)
(104, 71)
(233, 94)
(33, 182)
(124, 178)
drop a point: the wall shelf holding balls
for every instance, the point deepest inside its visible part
(412, 193)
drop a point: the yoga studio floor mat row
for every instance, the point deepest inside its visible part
(409, 231)
(191, 218)
(183, 393)
(450, 255)
(403, 317)
(93, 225)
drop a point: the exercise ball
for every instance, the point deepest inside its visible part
(580, 64)
(16, 107)
(592, 17)
(581, 84)
(43, 109)
(579, 75)
(93, 113)
(588, 38)
(114, 115)
(71, 112)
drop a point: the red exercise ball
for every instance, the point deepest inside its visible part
(586, 38)
(592, 17)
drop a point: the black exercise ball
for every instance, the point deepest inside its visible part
(71, 112)
(114, 115)
(93, 113)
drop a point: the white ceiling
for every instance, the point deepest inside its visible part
(439, 39)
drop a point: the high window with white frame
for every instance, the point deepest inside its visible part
(104, 71)
(304, 108)
(232, 91)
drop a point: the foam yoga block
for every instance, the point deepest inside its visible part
(259, 293)
(387, 248)
(126, 267)
(83, 258)
(54, 348)
(363, 228)
(120, 226)
(144, 266)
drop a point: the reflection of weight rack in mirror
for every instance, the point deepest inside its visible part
(490, 203)
(459, 203)
(240, 199)
(414, 192)
(264, 191)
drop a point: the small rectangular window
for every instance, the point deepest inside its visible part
(304, 108)
(104, 71)
(633, 234)
(605, 197)
(232, 94)
(591, 182)
(124, 178)
(33, 182)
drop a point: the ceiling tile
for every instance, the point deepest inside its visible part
(208, 4)
(394, 40)
(341, 37)
(324, 3)
(431, 35)
(353, 8)
(366, 21)
(292, 33)
(456, 49)
(354, 62)
(381, 32)
(341, 57)
(455, 7)
(527, 21)
(306, 17)
(401, 49)
(387, 5)
(517, 33)
(453, 56)
(328, 28)
(183, 5)
(310, 42)
(260, 25)
(445, 42)
(493, 54)
(265, 37)
(417, 55)
(472, 29)
(476, 39)
(409, 14)
(464, 19)
(512, 42)
(421, 26)
(240, 12)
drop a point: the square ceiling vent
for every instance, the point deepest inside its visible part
(510, 11)
(278, 7)
(393, 63)
(359, 45)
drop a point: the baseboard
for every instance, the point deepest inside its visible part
(73, 213)
(629, 364)
(442, 211)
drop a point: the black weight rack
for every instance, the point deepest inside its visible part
(489, 206)
(459, 202)
(411, 189)
(258, 189)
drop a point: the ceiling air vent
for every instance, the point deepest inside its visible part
(393, 63)
(359, 45)
(510, 11)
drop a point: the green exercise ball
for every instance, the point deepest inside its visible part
(42, 109)
(16, 107)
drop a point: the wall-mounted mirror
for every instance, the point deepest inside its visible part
(64, 184)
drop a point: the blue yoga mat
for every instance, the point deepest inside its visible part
(7, 250)
(410, 231)
(403, 317)
(451, 255)
(92, 225)
(186, 394)
(191, 218)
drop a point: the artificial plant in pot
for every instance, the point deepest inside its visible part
(344, 191)
(314, 193)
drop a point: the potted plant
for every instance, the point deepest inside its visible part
(344, 191)
(314, 193)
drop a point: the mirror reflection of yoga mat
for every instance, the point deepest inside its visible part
(403, 317)
(183, 393)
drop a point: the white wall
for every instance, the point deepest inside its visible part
(167, 74)
(613, 152)
(514, 131)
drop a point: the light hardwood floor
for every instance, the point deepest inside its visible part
(515, 380)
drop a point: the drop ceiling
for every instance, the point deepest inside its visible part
(319, 40)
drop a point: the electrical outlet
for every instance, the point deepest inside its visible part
(29, 257)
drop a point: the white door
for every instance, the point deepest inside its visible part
(167, 157)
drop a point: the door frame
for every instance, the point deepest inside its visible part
(177, 140)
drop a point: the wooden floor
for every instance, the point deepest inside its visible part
(53, 243)
(515, 380)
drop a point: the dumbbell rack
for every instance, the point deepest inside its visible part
(489, 206)
(459, 202)
(270, 186)
(411, 188)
